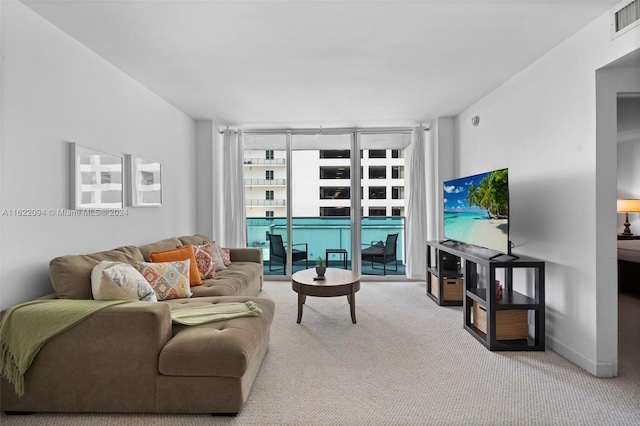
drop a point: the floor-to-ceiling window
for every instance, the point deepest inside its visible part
(383, 202)
(321, 195)
(309, 191)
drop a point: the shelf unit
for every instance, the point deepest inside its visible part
(518, 319)
(444, 277)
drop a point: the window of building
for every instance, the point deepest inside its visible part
(335, 193)
(334, 153)
(335, 172)
(377, 153)
(397, 153)
(269, 213)
(397, 192)
(268, 154)
(268, 195)
(397, 211)
(335, 211)
(378, 172)
(377, 192)
(377, 211)
(268, 174)
(397, 172)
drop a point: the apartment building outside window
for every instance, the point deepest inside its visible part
(269, 195)
(268, 154)
(269, 213)
(268, 174)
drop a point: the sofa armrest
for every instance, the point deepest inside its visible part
(108, 359)
(246, 254)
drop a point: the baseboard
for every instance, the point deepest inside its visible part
(598, 369)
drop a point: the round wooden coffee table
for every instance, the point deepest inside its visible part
(337, 282)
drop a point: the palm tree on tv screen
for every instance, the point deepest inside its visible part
(491, 194)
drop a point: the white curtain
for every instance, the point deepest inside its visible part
(416, 226)
(233, 208)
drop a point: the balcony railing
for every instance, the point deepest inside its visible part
(322, 233)
(264, 161)
(265, 202)
(264, 182)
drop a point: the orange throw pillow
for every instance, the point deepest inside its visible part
(180, 253)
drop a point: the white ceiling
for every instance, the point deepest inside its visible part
(320, 63)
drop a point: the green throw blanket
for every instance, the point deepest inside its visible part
(218, 312)
(25, 328)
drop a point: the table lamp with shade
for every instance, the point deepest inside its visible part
(626, 207)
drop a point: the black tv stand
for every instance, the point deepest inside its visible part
(513, 322)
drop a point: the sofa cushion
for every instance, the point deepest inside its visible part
(222, 348)
(170, 280)
(120, 281)
(71, 274)
(162, 245)
(194, 239)
(239, 279)
(180, 253)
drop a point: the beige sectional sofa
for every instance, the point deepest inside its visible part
(131, 358)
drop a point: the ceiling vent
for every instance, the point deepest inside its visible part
(625, 16)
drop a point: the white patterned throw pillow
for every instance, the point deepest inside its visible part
(120, 281)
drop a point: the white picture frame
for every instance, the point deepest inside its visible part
(96, 179)
(145, 178)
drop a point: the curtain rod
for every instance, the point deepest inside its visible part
(330, 131)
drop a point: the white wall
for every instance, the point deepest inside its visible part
(56, 90)
(541, 124)
(207, 134)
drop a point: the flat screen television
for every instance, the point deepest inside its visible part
(476, 210)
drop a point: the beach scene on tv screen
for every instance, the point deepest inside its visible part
(476, 210)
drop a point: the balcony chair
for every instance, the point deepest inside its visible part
(278, 253)
(379, 252)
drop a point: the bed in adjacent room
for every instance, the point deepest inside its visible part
(629, 265)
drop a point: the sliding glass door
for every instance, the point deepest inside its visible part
(309, 196)
(321, 196)
(382, 229)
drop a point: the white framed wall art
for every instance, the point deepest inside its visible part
(145, 177)
(96, 179)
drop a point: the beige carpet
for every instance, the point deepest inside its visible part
(406, 362)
